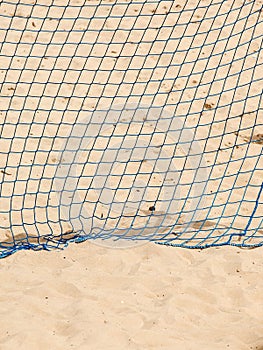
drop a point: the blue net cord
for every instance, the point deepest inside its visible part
(130, 122)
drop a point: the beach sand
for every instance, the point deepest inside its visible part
(150, 297)
(153, 296)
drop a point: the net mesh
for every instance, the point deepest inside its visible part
(130, 121)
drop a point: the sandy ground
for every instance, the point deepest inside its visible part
(149, 297)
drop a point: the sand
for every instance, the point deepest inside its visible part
(153, 296)
(150, 297)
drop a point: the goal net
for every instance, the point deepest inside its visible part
(124, 122)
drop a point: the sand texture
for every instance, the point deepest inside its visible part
(63, 64)
(151, 297)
